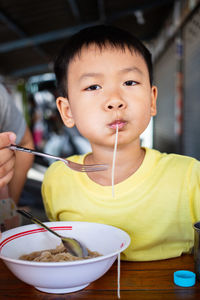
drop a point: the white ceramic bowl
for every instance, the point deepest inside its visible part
(62, 277)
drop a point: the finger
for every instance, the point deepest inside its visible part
(7, 167)
(6, 179)
(7, 138)
(6, 155)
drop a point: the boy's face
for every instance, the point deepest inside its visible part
(108, 87)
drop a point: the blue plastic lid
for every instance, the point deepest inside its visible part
(184, 278)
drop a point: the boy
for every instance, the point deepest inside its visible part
(104, 77)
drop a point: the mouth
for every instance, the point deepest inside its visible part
(119, 123)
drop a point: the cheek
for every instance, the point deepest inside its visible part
(141, 114)
(145, 118)
(90, 131)
(88, 123)
(84, 110)
(85, 121)
(140, 107)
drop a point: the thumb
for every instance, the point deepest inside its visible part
(7, 138)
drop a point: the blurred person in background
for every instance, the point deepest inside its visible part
(13, 166)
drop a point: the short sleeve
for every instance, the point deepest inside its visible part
(11, 119)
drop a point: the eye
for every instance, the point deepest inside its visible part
(130, 83)
(93, 87)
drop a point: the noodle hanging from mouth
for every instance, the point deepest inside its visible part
(118, 276)
(113, 194)
(113, 163)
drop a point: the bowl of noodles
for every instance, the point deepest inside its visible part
(37, 257)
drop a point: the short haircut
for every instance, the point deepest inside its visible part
(101, 36)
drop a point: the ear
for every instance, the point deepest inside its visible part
(154, 94)
(65, 111)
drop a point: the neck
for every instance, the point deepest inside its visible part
(128, 160)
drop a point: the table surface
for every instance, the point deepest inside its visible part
(139, 280)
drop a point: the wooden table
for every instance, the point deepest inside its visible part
(139, 281)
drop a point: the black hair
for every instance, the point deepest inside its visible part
(102, 36)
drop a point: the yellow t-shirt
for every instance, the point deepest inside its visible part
(156, 206)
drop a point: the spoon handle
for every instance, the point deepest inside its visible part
(33, 219)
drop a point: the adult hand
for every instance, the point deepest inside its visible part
(7, 158)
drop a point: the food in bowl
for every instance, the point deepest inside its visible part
(65, 276)
(58, 254)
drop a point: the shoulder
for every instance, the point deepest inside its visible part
(174, 161)
(3, 91)
(4, 98)
(11, 119)
(162, 156)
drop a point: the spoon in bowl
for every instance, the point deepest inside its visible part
(73, 246)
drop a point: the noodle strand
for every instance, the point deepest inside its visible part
(113, 194)
(114, 159)
(118, 276)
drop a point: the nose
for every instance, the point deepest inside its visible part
(115, 104)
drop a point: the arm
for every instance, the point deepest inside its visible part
(7, 158)
(13, 166)
(23, 162)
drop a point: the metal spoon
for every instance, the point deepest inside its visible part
(73, 246)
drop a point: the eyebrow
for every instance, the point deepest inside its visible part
(131, 69)
(88, 75)
(125, 70)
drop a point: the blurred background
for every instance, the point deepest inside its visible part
(32, 32)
